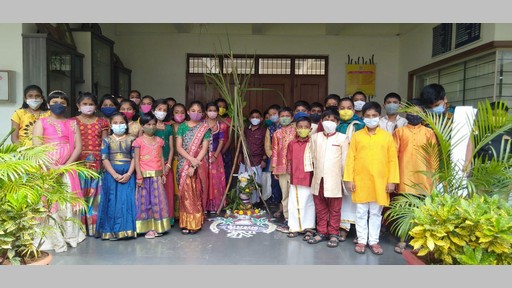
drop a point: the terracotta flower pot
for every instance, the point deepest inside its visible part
(411, 258)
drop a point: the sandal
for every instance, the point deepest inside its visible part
(376, 249)
(400, 247)
(150, 235)
(193, 231)
(292, 234)
(185, 231)
(333, 241)
(317, 238)
(343, 235)
(308, 235)
(360, 248)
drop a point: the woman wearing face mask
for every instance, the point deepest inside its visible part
(93, 130)
(165, 132)
(65, 135)
(216, 174)
(117, 212)
(34, 107)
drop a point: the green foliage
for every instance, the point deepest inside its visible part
(28, 191)
(465, 219)
(456, 230)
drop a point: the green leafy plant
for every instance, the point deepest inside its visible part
(28, 191)
(464, 219)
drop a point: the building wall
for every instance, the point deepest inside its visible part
(154, 47)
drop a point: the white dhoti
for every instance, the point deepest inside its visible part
(348, 212)
(301, 209)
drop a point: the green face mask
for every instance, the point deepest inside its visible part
(303, 132)
(150, 131)
(285, 121)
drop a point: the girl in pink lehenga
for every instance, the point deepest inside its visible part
(65, 134)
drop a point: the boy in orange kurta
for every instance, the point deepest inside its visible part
(371, 173)
(414, 169)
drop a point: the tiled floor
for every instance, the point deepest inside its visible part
(209, 248)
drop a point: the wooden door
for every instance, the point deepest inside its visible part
(198, 90)
(310, 88)
(280, 91)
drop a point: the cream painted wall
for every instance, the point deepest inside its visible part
(157, 55)
(11, 58)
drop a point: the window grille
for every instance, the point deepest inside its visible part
(275, 66)
(309, 66)
(203, 65)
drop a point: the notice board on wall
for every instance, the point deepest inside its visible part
(360, 77)
(441, 39)
(466, 33)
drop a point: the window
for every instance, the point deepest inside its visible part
(467, 82)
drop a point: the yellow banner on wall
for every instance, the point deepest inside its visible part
(360, 77)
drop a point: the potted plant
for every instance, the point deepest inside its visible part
(465, 219)
(28, 191)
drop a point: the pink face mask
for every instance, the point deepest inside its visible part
(129, 115)
(195, 116)
(145, 108)
(212, 114)
(179, 118)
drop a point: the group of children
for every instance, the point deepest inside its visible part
(324, 167)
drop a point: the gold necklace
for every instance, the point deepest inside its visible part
(118, 138)
(87, 120)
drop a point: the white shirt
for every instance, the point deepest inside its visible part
(390, 126)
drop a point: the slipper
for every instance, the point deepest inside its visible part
(185, 231)
(400, 247)
(343, 235)
(333, 241)
(308, 236)
(317, 238)
(283, 229)
(193, 231)
(376, 249)
(292, 234)
(150, 235)
(360, 248)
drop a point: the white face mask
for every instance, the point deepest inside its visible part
(160, 115)
(358, 105)
(212, 114)
(329, 126)
(34, 103)
(255, 121)
(87, 110)
(371, 122)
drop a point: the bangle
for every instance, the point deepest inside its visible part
(168, 165)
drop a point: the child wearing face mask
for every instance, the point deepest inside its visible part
(359, 99)
(153, 214)
(108, 106)
(392, 120)
(301, 207)
(349, 124)
(280, 141)
(146, 104)
(192, 144)
(64, 134)
(131, 111)
(93, 130)
(117, 210)
(216, 174)
(22, 121)
(371, 173)
(272, 124)
(410, 139)
(165, 132)
(179, 116)
(255, 136)
(327, 149)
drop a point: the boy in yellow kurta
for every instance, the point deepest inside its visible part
(371, 173)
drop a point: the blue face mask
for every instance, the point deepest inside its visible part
(119, 128)
(269, 122)
(315, 118)
(438, 109)
(300, 115)
(108, 111)
(274, 118)
(58, 109)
